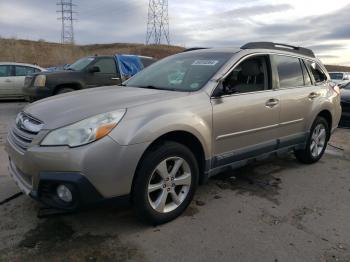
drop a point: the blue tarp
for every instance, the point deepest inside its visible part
(129, 65)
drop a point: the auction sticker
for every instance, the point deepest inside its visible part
(205, 62)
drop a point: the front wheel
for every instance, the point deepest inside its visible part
(316, 142)
(165, 183)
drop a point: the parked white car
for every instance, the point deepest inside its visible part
(340, 77)
(12, 77)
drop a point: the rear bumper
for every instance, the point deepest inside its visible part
(33, 92)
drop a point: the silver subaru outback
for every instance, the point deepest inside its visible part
(173, 125)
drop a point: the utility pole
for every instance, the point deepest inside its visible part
(158, 22)
(65, 8)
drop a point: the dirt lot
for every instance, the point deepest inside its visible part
(277, 210)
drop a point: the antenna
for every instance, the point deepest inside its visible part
(66, 17)
(158, 22)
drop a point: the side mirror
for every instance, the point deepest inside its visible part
(346, 78)
(94, 69)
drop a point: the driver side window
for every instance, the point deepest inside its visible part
(251, 75)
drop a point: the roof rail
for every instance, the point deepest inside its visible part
(278, 46)
(194, 48)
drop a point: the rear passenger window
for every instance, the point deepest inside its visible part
(24, 70)
(316, 71)
(289, 71)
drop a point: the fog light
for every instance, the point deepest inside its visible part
(64, 193)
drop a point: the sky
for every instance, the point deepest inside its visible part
(323, 26)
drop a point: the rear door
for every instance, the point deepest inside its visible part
(108, 75)
(297, 95)
(6, 81)
(245, 116)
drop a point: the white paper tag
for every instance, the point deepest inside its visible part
(205, 62)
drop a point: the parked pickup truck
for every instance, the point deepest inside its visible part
(87, 72)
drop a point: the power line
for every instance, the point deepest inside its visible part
(66, 9)
(158, 22)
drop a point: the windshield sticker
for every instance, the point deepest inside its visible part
(205, 62)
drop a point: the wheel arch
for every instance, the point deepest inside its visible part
(326, 114)
(187, 139)
(75, 86)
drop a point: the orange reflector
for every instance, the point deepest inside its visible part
(104, 130)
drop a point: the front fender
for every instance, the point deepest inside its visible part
(142, 128)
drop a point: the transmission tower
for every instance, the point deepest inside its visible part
(158, 22)
(66, 16)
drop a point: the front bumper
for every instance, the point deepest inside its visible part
(83, 192)
(97, 171)
(35, 93)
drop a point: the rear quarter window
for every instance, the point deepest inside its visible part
(316, 71)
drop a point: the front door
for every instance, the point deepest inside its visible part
(246, 115)
(108, 74)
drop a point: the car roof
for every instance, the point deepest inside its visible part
(21, 64)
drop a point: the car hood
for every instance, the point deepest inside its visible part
(61, 110)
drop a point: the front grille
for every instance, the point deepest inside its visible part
(25, 130)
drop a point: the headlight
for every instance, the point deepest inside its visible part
(85, 131)
(40, 80)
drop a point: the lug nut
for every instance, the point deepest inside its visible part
(164, 186)
(168, 189)
(172, 178)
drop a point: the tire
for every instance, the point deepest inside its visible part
(151, 175)
(314, 149)
(64, 90)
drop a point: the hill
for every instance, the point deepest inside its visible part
(48, 54)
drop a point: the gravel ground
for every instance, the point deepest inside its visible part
(276, 210)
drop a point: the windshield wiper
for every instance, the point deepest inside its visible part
(157, 88)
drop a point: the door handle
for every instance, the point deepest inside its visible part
(313, 95)
(115, 78)
(272, 102)
(8, 81)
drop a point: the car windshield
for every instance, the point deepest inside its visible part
(336, 76)
(81, 64)
(187, 72)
